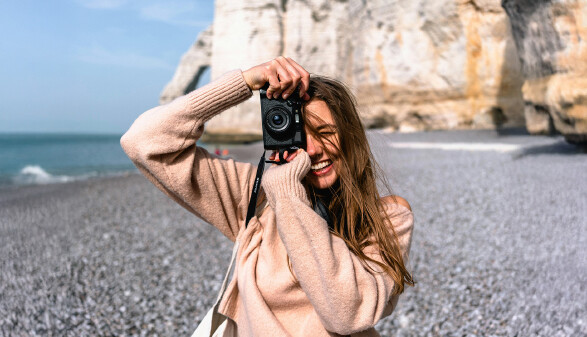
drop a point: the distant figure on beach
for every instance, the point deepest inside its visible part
(325, 253)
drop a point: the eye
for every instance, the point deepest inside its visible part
(326, 130)
(327, 133)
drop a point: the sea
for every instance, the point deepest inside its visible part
(37, 158)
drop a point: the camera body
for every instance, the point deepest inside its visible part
(283, 126)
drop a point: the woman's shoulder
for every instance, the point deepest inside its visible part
(395, 202)
(398, 211)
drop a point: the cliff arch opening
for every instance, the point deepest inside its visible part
(201, 78)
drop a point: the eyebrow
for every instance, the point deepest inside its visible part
(326, 126)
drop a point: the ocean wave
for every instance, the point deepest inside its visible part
(35, 174)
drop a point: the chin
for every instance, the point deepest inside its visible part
(323, 181)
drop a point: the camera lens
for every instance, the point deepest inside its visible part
(277, 120)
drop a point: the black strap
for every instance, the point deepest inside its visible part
(255, 192)
(322, 210)
(281, 155)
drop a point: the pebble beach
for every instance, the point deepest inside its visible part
(499, 245)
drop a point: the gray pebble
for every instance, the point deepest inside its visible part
(499, 247)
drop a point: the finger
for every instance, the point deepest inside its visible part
(273, 81)
(293, 74)
(273, 70)
(291, 156)
(276, 157)
(285, 78)
(305, 78)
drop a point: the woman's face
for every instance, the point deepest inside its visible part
(323, 173)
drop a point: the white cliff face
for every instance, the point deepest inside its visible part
(414, 54)
(551, 38)
(246, 33)
(192, 65)
(317, 34)
(437, 65)
(413, 64)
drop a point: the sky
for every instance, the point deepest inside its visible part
(90, 66)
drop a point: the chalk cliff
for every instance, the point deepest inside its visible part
(551, 39)
(413, 64)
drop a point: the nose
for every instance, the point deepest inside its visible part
(311, 148)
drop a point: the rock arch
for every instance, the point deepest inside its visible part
(192, 66)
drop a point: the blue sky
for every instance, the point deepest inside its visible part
(90, 66)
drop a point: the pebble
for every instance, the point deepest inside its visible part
(499, 247)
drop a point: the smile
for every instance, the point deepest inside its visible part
(321, 167)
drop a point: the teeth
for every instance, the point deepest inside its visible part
(320, 165)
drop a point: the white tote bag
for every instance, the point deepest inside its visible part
(215, 324)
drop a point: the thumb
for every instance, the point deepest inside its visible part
(301, 164)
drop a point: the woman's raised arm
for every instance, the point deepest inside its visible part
(162, 144)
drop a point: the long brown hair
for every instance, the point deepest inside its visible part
(356, 204)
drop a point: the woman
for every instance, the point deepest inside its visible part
(296, 273)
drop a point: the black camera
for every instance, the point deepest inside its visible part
(283, 126)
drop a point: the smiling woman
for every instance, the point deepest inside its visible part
(321, 129)
(324, 253)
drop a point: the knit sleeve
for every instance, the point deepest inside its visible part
(162, 144)
(347, 295)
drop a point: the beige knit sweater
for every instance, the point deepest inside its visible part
(335, 294)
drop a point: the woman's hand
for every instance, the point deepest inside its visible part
(283, 74)
(285, 181)
(288, 156)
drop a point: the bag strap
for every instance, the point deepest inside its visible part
(217, 319)
(229, 273)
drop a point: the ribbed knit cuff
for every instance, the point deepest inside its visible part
(285, 181)
(228, 90)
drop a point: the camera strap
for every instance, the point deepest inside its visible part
(255, 191)
(281, 154)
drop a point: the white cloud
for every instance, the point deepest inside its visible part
(127, 59)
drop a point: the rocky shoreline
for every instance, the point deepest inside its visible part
(499, 247)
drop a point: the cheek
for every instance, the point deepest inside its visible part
(332, 147)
